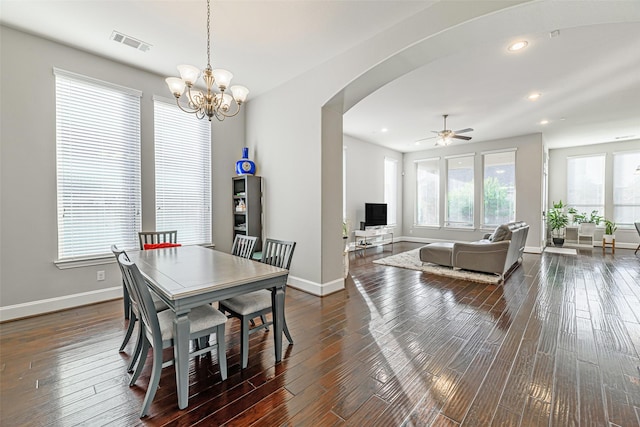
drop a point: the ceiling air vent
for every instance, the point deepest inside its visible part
(130, 41)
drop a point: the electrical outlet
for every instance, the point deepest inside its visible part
(101, 275)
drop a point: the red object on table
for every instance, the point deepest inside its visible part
(160, 245)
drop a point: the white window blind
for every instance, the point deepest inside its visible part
(499, 188)
(183, 173)
(460, 191)
(585, 183)
(98, 166)
(391, 189)
(626, 188)
(428, 192)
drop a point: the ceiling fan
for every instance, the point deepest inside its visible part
(445, 136)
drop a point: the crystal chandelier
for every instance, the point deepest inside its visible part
(212, 103)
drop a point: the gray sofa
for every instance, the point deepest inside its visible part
(495, 253)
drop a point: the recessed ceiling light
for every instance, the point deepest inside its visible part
(544, 122)
(518, 45)
(384, 130)
(534, 96)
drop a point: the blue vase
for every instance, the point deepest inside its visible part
(245, 166)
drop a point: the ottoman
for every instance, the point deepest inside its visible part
(437, 253)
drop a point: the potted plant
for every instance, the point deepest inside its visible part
(557, 220)
(610, 227)
(587, 223)
(572, 215)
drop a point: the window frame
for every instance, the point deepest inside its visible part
(483, 223)
(447, 221)
(437, 222)
(636, 176)
(391, 182)
(191, 182)
(78, 140)
(584, 207)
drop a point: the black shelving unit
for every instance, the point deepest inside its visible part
(247, 207)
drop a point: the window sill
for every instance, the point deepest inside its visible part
(427, 227)
(458, 228)
(64, 264)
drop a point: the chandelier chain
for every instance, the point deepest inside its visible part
(208, 34)
(212, 103)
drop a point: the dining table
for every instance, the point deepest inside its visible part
(190, 276)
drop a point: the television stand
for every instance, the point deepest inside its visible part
(372, 237)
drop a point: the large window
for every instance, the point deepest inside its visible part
(585, 183)
(98, 166)
(183, 173)
(626, 188)
(460, 191)
(428, 192)
(391, 189)
(499, 195)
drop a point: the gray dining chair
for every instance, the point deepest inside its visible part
(258, 304)
(637, 224)
(158, 331)
(243, 246)
(155, 237)
(134, 314)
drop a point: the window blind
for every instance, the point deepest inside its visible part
(391, 188)
(428, 192)
(626, 188)
(98, 166)
(585, 183)
(183, 173)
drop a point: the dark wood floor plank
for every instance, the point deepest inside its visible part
(590, 393)
(564, 410)
(558, 343)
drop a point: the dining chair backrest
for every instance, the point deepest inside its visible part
(142, 296)
(117, 253)
(637, 224)
(278, 253)
(155, 237)
(243, 246)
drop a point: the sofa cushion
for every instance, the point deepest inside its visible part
(437, 253)
(502, 232)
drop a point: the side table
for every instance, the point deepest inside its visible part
(612, 244)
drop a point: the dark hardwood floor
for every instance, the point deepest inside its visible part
(558, 344)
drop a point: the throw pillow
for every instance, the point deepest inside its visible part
(501, 233)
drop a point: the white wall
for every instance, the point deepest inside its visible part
(292, 131)
(365, 179)
(625, 237)
(29, 281)
(298, 136)
(529, 149)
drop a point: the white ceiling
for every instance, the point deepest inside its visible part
(589, 77)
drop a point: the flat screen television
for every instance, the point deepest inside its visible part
(375, 214)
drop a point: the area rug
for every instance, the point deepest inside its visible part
(411, 260)
(563, 251)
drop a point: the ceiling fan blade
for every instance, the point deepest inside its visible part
(466, 138)
(424, 139)
(464, 130)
